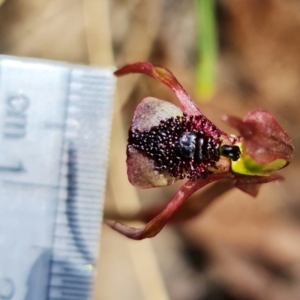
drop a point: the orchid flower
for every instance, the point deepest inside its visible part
(167, 143)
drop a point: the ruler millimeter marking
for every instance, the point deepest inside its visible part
(54, 133)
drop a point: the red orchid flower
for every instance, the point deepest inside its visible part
(167, 144)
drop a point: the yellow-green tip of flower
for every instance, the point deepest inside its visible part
(247, 166)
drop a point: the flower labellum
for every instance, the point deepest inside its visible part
(167, 144)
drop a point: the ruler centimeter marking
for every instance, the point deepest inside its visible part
(81, 250)
(53, 155)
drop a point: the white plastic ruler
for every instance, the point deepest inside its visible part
(55, 121)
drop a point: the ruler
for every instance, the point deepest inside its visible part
(55, 121)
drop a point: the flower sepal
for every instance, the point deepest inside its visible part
(265, 146)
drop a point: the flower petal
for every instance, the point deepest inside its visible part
(263, 139)
(251, 184)
(157, 223)
(167, 78)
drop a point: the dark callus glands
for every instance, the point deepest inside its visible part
(180, 146)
